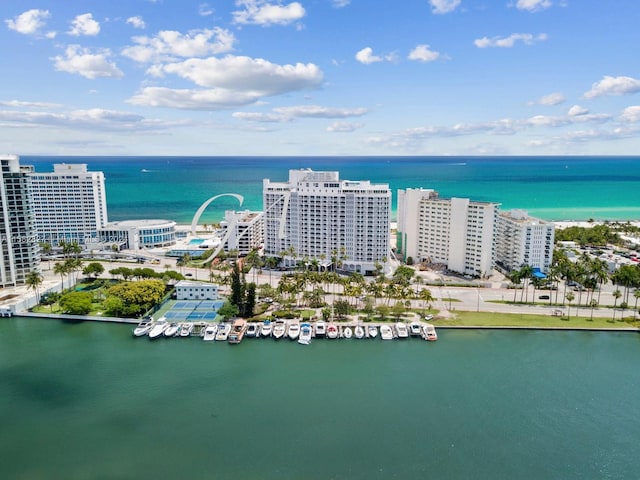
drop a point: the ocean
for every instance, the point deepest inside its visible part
(552, 188)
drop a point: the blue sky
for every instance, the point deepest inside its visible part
(320, 77)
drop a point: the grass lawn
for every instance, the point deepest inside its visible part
(488, 319)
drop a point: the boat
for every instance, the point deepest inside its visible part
(185, 329)
(305, 333)
(279, 329)
(373, 331)
(402, 330)
(415, 329)
(210, 332)
(293, 330)
(359, 332)
(237, 330)
(158, 328)
(253, 329)
(223, 332)
(347, 332)
(430, 332)
(386, 332)
(267, 328)
(332, 331)
(320, 328)
(172, 329)
(143, 327)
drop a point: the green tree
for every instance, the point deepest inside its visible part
(76, 303)
(60, 269)
(616, 295)
(228, 310)
(33, 281)
(341, 308)
(93, 269)
(113, 306)
(250, 300)
(570, 297)
(46, 249)
(138, 297)
(398, 310)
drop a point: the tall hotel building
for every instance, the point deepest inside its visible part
(455, 232)
(315, 215)
(18, 242)
(70, 204)
(523, 240)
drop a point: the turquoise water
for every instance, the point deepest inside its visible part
(553, 188)
(86, 401)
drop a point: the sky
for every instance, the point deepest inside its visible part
(320, 77)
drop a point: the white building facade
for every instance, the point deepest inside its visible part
(317, 216)
(69, 204)
(243, 231)
(524, 240)
(455, 232)
(19, 249)
(139, 234)
(190, 290)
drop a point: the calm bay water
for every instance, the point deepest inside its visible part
(86, 401)
(553, 188)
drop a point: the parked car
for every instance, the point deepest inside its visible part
(544, 297)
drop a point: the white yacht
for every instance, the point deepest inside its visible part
(305, 334)
(267, 328)
(158, 327)
(172, 329)
(320, 328)
(223, 332)
(415, 329)
(186, 329)
(359, 332)
(143, 327)
(373, 331)
(430, 332)
(253, 329)
(332, 331)
(294, 330)
(402, 330)
(347, 332)
(279, 329)
(386, 333)
(210, 332)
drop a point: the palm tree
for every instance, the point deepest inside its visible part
(616, 295)
(636, 295)
(60, 268)
(33, 281)
(46, 249)
(425, 296)
(593, 304)
(514, 277)
(570, 296)
(526, 272)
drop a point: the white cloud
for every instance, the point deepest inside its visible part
(613, 86)
(169, 45)
(21, 104)
(90, 65)
(533, 5)
(84, 25)
(422, 53)
(136, 21)
(258, 117)
(510, 41)
(344, 127)
(340, 3)
(286, 114)
(550, 99)
(577, 110)
(631, 114)
(367, 57)
(204, 10)
(29, 22)
(261, 12)
(443, 6)
(189, 99)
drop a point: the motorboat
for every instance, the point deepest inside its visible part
(386, 332)
(279, 329)
(210, 332)
(430, 332)
(347, 332)
(223, 332)
(267, 328)
(294, 330)
(158, 328)
(305, 333)
(172, 329)
(359, 332)
(332, 331)
(253, 329)
(402, 330)
(143, 327)
(185, 329)
(415, 329)
(237, 330)
(320, 328)
(373, 331)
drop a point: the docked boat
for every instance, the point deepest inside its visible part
(143, 327)
(279, 329)
(430, 332)
(294, 330)
(172, 329)
(373, 331)
(332, 331)
(267, 328)
(305, 334)
(402, 330)
(158, 328)
(415, 329)
(223, 332)
(320, 328)
(185, 329)
(359, 332)
(253, 329)
(237, 330)
(347, 332)
(210, 332)
(386, 333)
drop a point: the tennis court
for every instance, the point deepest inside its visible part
(189, 310)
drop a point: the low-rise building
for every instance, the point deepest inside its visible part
(138, 234)
(191, 290)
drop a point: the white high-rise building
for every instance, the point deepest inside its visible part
(245, 231)
(18, 242)
(455, 232)
(70, 204)
(317, 216)
(524, 240)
